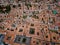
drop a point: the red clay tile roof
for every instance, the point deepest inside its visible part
(58, 24)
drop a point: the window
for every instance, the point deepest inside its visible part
(7, 28)
(54, 37)
(19, 39)
(32, 24)
(12, 29)
(48, 0)
(22, 26)
(33, 41)
(45, 26)
(32, 31)
(47, 44)
(19, 0)
(20, 30)
(46, 36)
(14, 6)
(9, 37)
(24, 40)
(59, 33)
(37, 33)
(16, 28)
(37, 43)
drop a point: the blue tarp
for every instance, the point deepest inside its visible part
(1, 37)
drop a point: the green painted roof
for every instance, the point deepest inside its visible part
(54, 12)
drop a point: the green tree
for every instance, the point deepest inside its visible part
(8, 8)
